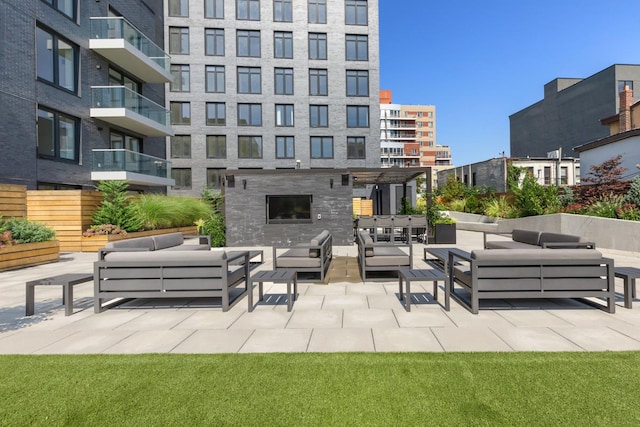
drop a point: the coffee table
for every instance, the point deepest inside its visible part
(67, 281)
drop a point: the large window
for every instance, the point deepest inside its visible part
(355, 147)
(214, 9)
(321, 147)
(249, 114)
(215, 78)
(284, 114)
(182, 176)
(357, 116)
(289, 209)
(282, 11)
(356, 12)
(216, 114)
(216, 147)
(248, 10)
(249, 80)
(283, 44)
(283, 81)
(317, 46)
(57, 60)
(214, 177)
(357, 47)
(181, 147)
(178, 7)
(249, 147)
(179, 40)
(180, 113)
(318, 82)
(214, 41)
(318, 116)
(285, 147)
(181, 80)
(67, 7)
(317, 10)
(357, 83)
(58, 135)
(248, 43)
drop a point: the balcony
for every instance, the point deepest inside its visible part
(120, 42)
(123, 107)
(136, 168)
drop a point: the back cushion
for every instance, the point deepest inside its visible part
(558, 238)
(526, 236)
(137, 243)
(168, 240)
(317, 241)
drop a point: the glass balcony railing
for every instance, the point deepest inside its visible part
(123, 97)
(120, 28)
(121, 160)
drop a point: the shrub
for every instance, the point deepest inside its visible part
(213, 226)
(633, 195)
(25, 231)
(606, 206)
(628, 211)
(458, 205)
(574, 208)
(116, 208)
(532, 198)
(498, 207)
(97, 230)
(6, 239)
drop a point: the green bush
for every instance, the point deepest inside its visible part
(633, 195)
(628, 211)
(499, 207)
(25, 231)
(606, 206)
(116, 208)
(213, 226)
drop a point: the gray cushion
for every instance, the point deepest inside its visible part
(168, 240)
(526, 236)
(388, 256)
(318, 241)
(188, 248)
(509, 244)
(534, 254)
(137, 243)
(164, 256)
(546, 237)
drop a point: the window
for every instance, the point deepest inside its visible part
(214, 41)
(214, 177)
(547, 175)
(216, 114)
(248, 43)
(356, 12)
(249, 147)
(58, 135)
(249, 80)
(67, 7)
(317, 10)
(355, 147)
(179, 40)
(215, 78)
(283, 44)
(318, 84)
(563, 175)
(623, 83)
(318, 116)
(284, 81)
(180, 113)
(216, 147)
(181, 147)
(357, 116)
(284, 114)
(282, 11)
(178, 7)
(357, 83)
(57, 60)
(429, 124)
(321, 147)
(289, 209)
(181, 79)
(317, 46)
(249, 114)
(430, 114)
(357, 47)
(285, 147)
(248, 10)
(182, 176)
(214, 9)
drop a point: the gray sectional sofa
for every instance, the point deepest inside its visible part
(529, 239)
(531, 273)
(310, 260)
(376, 257)
(167, 267)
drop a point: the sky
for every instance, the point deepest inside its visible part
(480, 61)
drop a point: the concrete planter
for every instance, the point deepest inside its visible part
(443, 234)
(93, 243)
(28, 254)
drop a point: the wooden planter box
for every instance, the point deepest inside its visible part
(28, 254)
(93, 243)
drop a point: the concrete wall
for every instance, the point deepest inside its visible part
(246, 214)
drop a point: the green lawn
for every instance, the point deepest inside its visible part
(322, 389)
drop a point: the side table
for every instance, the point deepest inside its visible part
(68, 281)
(629, 275)
(411, 275)
(279, 275)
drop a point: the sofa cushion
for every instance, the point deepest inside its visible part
(546, 237)
(388, 256)
(137, 243)
(318, 241)
(164, 256)
(534, 254)
(168, 240)
(509, 244)
(297, 258)
(188, 247)
(526, 236)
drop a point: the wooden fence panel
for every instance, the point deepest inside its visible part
(13, 201)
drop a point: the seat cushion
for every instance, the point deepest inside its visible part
(546, 237)
(509, 244)
(388, 256)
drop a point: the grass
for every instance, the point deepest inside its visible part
(480, 389)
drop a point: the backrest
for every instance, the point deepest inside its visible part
(365, 242)
(318, 241)
(137, 243)
(168, 240)
(534, 255)
(526, 236)
(546, 237)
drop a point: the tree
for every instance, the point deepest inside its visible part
(603, 179)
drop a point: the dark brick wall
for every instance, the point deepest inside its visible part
(245, 209)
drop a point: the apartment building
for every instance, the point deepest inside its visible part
(271, 84)
(82, 94)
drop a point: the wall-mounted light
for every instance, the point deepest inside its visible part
(244, 184)
(331, 183)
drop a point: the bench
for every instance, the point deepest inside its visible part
(67, 281)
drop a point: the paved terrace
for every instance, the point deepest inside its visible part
(337, 317)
